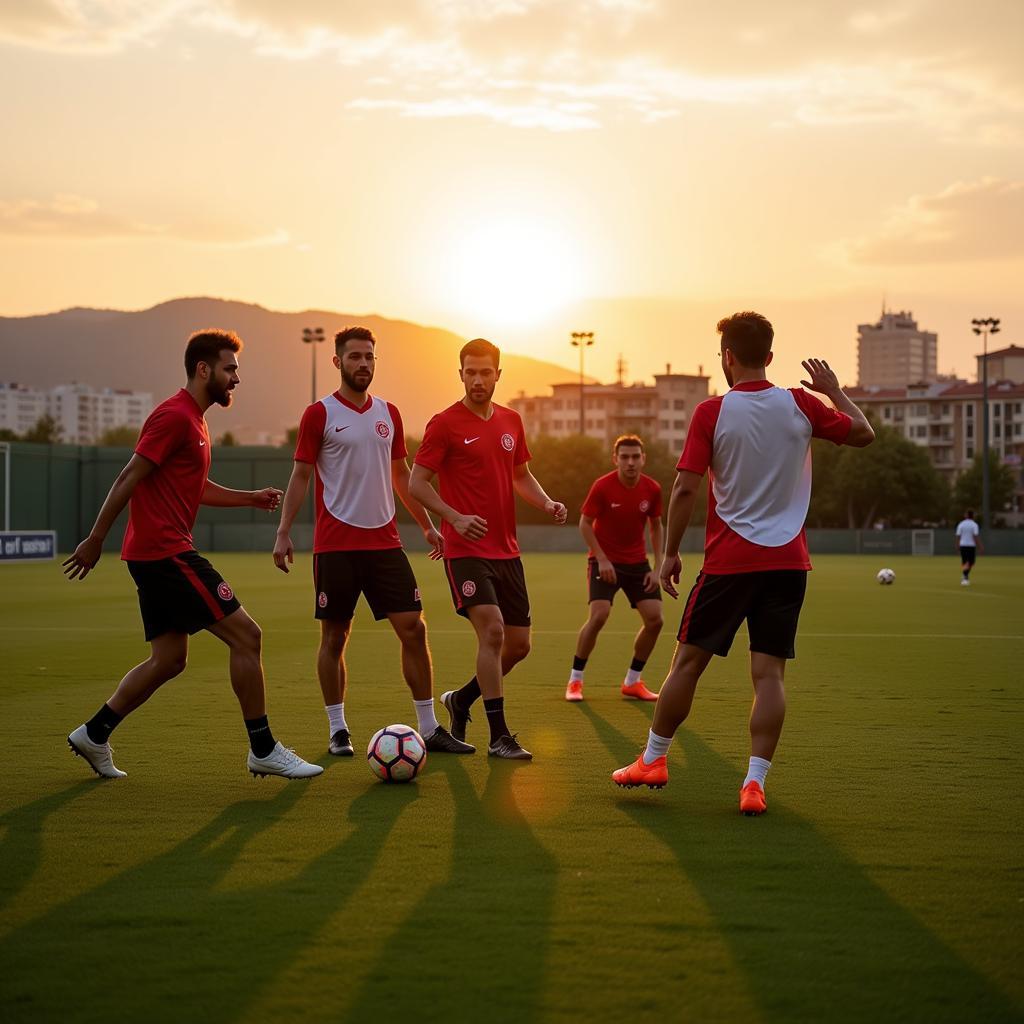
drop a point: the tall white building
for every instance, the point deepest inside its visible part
(83, 413)
(895, 353)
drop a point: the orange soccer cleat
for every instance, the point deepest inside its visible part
(574, 690)
(752, 801)
(638, 691)
(653, 775)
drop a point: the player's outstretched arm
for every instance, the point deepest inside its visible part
(825, 382)
(227, 497)
(422, 490)
(529, 489)
(680, 509)
(294, 495)
(87, 554)
(400, 481)
(604, 563)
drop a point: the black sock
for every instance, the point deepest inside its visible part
(465, 696)
(636, 665)
(102, 724)
(495, 708)
(578, 663)
(261, 739)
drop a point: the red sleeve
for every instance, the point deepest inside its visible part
(434, 447)
(162, 434)
(696, 457)
(594, 505)
(522, 450)
(655, 511)
(826, 422)
(398, 449)
(311, 433)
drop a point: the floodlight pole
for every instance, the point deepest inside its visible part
(984, 327)
(581, 340)
(5, 446)
(312, 336)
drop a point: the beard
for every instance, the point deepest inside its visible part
(480, 395)
(358, 383)
(219, 395)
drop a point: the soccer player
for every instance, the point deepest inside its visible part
(755, 442)
(967, 537)
(180, 593)
(477, 449)
(355, 445)
(618, 508)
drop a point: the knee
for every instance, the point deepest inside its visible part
(170, 665)
(598, 618)
(493, 637)
(249, 638)
(517, 650)
(413, 634)
(654, 624)
(333, 641)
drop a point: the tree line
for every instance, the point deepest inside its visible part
(48, 430)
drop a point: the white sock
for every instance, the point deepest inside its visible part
(657, 746)
(336, 716)
(576, 675)
(425, 717)
(758, 771)
(633, 676)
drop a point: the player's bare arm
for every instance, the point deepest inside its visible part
(87, 554)
(529, 489)
(680, 509)
(421, 488)
(400, 481)
(657, 537)
(604, 565)
(825, 382)
(227, 497)
(294, 495)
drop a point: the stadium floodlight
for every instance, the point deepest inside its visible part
(581, 340)
(985, 326)
(312, 336)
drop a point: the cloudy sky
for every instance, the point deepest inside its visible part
(521, 168)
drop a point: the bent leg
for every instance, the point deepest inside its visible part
(587, 638)
(168, 657)
(676, 697)
(769, 708)
(650, 630)
(515, 648)
(490, 636)
(411, 631)
(245, 642)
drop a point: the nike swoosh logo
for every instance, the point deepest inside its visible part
(616, 504)
(470, 440)
(336, 429)
(202, 444)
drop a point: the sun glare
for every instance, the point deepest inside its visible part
(513, 274)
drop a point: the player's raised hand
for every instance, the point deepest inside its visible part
(470, 527)
(669, 576)
(284, 552)
(557, 511)
(83, 559)
(436, 542)
(268, 498)
(823, 377)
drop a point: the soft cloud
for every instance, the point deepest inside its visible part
(968, 222)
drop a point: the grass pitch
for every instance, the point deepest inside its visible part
(883, 884)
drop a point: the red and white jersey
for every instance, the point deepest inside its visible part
(475, 462)
(756, 442)
(351, 450)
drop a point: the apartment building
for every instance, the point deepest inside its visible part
(894, 352)
(83, 413)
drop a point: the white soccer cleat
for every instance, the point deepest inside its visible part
(97, 755)
(282, 761)
(965, 583)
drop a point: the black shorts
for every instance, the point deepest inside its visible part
(769, 601)
(968, 553)
(181, 594)
(629, 579)
(499, 581)
(384, 577)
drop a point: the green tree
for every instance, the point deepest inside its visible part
(291, 438)
(968, 486)
(565, 467)
(46, 431)
(8, 435)
(119, 437)
(227, 440)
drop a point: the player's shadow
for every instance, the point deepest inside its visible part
(193, 933)
(481, 936)
(816, 938)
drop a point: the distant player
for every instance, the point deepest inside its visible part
(355, 445)
(477, 449)
(619, 507)
(180, 593)
(755, 443)
(969, 539)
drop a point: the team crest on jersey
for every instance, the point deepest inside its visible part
(322, 600)
(383, 429)
(508, 442)
(468, 588)
(224, 592)
(644, 505)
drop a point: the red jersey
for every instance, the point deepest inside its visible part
(474, 460)
(620, 514)
(164, 505)
(352, 449)
(756, 442)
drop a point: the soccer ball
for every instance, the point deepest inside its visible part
(885, 576)
(396, 753)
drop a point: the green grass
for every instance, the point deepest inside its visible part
(885, 882)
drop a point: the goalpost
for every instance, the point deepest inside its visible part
(922, 542)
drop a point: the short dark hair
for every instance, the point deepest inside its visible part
(629, 440)
(206, 346)
(749, 337)
(969, 514)
(342, 338)
(480, 347)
